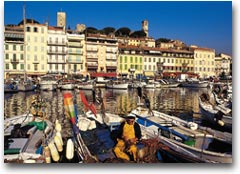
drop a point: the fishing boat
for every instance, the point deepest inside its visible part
(194, 83)
(24, 138)
(210, 145)
(10, 87)
(166, 84)
(117, 85)
(96, 137)
(216, 114)
(48, 82)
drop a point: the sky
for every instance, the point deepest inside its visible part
(201, 23)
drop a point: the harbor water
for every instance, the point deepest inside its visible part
(181, 102)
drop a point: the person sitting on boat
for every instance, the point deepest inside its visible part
(129, 134)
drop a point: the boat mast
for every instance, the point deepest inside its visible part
(24, 40)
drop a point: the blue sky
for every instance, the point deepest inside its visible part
(202, 23)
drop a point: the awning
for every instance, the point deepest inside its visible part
(103, 74)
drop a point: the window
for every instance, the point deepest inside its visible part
(14, 57)
(125, 59)
(14, 66)
(42, 30)
(149, 67)
(140, 59)
(28, 66)
(35, 58)
(35, 67)
(131, 60)
(6, 56)
(136, 60)
(125, 67)
(35, 29)
(149, 59)
(21, 57)
(22, 66)
(21, 47)
(14, 47)
(6, 47)
(28, 29)
(7, 66)
(42, 67)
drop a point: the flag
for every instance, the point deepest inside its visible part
(87, 105)
(69, 107)
(84, 100)
(93, 109)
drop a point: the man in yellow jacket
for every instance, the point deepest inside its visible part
(129, 134)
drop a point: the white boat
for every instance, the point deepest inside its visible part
(117, 85)
(194, 83)
(48, 82)
(175, 132)
(216, 114)
(167, 84)
(89, 85)
(26, 86)
(150, 149)
(24, 137)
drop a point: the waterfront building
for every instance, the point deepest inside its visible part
(223, 64)
(176, 62)
(101, 55)
(56, 50)
(13, 51)
(151, 57)
(76, 53)
(130, 61)
(204, 61)
(35, 48)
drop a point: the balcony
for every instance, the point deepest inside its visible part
(75, 45)
(56, 61)
(59, 52)
(56, 43)
(14, 60)
(75, 53)
(74, 61)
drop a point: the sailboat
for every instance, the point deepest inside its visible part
(26, 84)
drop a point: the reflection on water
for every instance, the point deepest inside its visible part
(182, 102)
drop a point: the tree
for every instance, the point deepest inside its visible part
(124, 31)
(91, 30)
(165, 40)
(108, 30)
(138, 34)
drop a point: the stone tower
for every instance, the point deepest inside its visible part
(145, 27)
(61, 19)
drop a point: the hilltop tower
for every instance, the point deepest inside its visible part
(61, 19)
(145, 27)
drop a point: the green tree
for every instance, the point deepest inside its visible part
(124, 31)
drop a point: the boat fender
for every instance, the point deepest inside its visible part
(54, 152)
(60, 137)
(192, 125)
(58, 143)
(69, 149)
(47, 130)
(58, 126)
(92, 125)
(47, 154)
(29, 161)
(220, 122)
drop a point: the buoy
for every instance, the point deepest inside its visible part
(220, 122)
(192, 125)
(58, 143)
(29, 161)
(54, 152)
(47, 154)
(58, 126)
(69, 149)
(60, 137)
